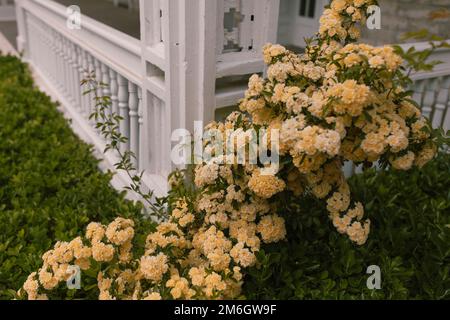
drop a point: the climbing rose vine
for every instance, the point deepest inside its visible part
(338, 102)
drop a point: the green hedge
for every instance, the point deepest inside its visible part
(50, 185)
(409, 241)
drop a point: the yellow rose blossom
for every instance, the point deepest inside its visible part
(266, 186)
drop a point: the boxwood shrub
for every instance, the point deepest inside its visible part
(50, 185)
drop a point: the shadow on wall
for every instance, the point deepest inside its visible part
(9, 30)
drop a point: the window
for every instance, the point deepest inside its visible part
(307, 8)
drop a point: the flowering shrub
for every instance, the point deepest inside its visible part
(338, 102)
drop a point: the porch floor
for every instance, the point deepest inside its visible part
(104, 11)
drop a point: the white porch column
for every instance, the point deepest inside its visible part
(179, 56)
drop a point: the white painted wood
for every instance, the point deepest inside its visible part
(60, 63)
(69, 71)
(114, 91)
(81, 76)
(134, 125)
(123, 112)
(76, 76)
(143, 140)
(86, 97)
(107, 85)
(91, 95)
(98, 77)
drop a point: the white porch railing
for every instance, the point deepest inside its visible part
(165, 81)
(63, 57)
(432, 89)
(7, 12)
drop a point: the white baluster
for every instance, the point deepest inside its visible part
(43, 63)
(91, 95)
(434, 85)
(106, 83)
(76, 76)
(156, 150)
(57, 70)
(80, 54)
(85, 73)
(114, 92)
(60, 64)
(47, 53)
(134, 125)
(142, 137)
(67, 70)
(33, 38)
(54, 71)
(53, 57)
(44, 50)
(446, 103)
(123, 111)
(98, 77)
(38, 47)
(56, 62)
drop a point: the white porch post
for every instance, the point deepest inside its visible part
(185, 49)
(178, 56)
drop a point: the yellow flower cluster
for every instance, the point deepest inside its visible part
(154, 267)
(351, 97)
(265, 186)
(101, 244)
(338, 21)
